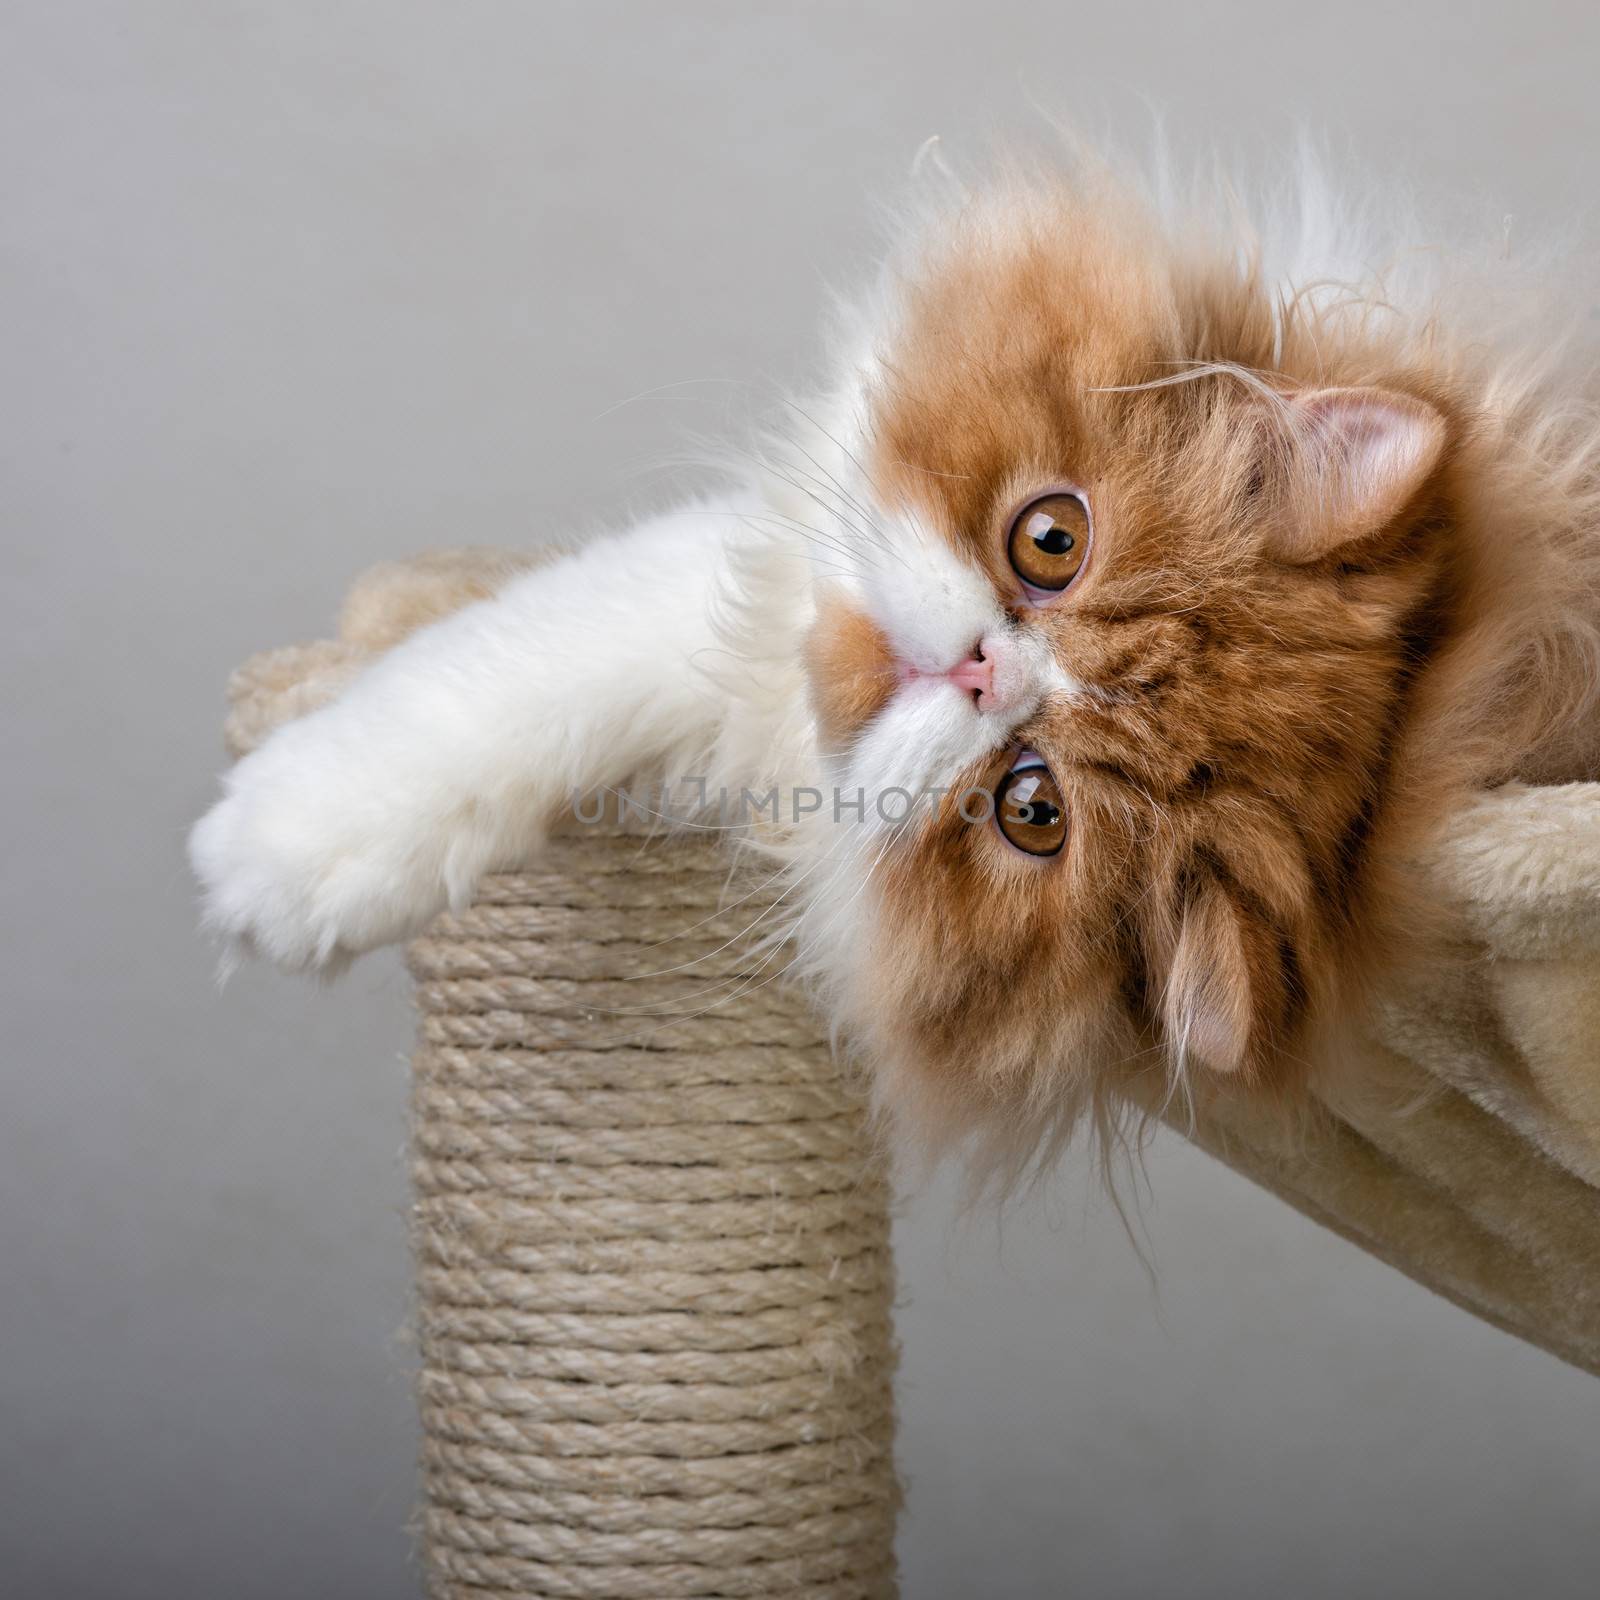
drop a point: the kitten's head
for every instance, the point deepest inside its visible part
(1168, 626)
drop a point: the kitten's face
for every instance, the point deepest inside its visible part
(1166, 628)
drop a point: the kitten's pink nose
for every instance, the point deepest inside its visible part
(974, 673)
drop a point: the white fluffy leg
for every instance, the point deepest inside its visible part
(354, 826)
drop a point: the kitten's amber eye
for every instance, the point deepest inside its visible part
(1029, 810)
(1049, 540)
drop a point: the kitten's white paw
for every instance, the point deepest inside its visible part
(294, 867)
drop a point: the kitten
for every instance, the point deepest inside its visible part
(1178, 588)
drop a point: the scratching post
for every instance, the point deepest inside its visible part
(652, 1243)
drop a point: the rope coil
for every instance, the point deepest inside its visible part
(653, 1258)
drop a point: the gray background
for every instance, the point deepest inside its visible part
(290, 287)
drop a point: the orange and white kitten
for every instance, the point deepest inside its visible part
(1113, 630)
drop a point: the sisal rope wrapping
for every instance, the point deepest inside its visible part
(652, 1241)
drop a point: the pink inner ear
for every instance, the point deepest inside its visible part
(1358, 456)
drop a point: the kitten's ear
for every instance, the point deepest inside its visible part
(1353, 459)
(1223, 1000)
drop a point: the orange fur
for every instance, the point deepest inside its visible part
(850, 667)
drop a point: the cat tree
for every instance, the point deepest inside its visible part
(652, 1232)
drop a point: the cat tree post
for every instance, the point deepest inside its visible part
(652, 1245)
